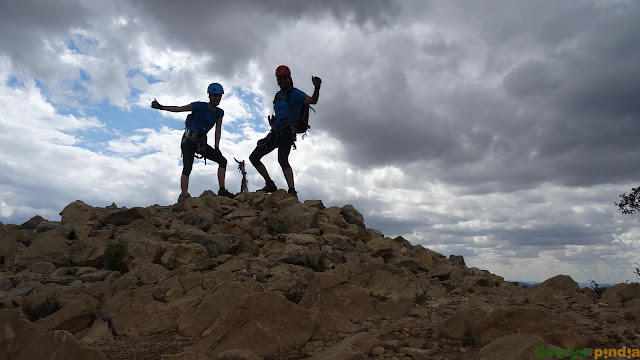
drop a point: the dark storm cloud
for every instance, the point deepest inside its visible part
(566, 114)
(237, 32)
(25, 26)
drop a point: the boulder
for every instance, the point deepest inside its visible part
(48, 246)
(183, 254)
(195, 321)
(516, 346)
(529, 321)
(32, 223)
(621, 293)
(353, 347)
(143, 315)
(77, 213)
(269, 319)
(22, 340)
(124, 216)
(329, 293)
(293, 219)
(99, 331)
(352, 216)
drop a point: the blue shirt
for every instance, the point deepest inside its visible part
(203, 118)
(287, 114)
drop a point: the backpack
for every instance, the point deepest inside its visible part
(302, 123)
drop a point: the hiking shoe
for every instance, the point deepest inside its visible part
(293, 192)
(225, 192)
(269, 187)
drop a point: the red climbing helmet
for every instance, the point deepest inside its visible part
(283, 70)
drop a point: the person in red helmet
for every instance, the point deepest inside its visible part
(203, 117)
(287, 105)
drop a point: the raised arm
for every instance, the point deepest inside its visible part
(313, 99)
(156, 105)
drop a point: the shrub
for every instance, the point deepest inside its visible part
(597, 288)
(49, 306)
(421, 297)
(469, 340)
(114, 257)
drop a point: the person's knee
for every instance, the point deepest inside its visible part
(186, 170)
(284, 163)
(255, 159)
(223, 162)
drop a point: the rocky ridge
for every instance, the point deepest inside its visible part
(267, 277)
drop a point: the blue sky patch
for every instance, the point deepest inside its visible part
(13, 82)
(80, 43)
(135, 71)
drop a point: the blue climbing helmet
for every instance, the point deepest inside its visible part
(215, 88)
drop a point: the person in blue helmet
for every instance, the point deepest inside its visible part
(287, 105)
(203, 117)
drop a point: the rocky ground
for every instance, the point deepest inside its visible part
(267, 277)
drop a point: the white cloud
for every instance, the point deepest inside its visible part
(431, 120)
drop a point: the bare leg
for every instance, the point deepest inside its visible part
(262, 170)
(184, 183)
(288, 175)
(221, 174)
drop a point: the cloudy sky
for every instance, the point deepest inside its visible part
(503, 131)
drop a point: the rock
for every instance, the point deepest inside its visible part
(5, 284)
(273, 322)
(53, 225)
(32, 223)
(459, 324)
(142, 247)
(560, 283)
(515, 346)
(143, 315)
(124, 216)
(99, 331)
(314, 203)
(395, 309)
(546, 296)
(195, 321)
(386, 248)
(425, 258)
(332, 294)
(621, 293)
(22, 340)
(632, 313)
(49, 246)
(352, 348)
(456, 260)
(442, 270)
(72, 317)
(237, 354)
(352, 216)
(298, 280)
(293, 219)
(8, 247)
(146, 273)
(44, 268)
(77, 213)
(182, 254)
(528, 321)
(416, 353)
(88, 251)
(187, 355)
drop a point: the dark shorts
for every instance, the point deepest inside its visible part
(189, 151)
(282, 140)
